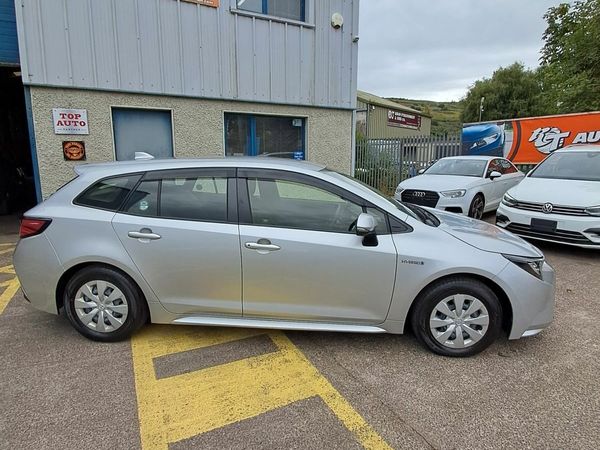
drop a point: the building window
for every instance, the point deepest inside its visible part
(253, 135)
(142, 130)
(289, 9)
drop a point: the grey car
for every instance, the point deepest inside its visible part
(272, 243)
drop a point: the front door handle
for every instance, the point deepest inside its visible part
(263, 245)
(144, 234)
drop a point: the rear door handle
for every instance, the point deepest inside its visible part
(144, 234)
(262, 245)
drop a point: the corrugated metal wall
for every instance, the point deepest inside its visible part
(9, 49)
(179, 48)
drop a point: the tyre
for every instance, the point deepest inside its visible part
(103, 304)
(477, 207)
(457, 317)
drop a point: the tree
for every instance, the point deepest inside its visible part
(511, 92)
(570, 57)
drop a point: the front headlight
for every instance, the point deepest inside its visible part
(593, 211)
(509, 200)
(486, 140)
(531, 265)
(399, 190)
(454, 194)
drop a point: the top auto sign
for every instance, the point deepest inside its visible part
(70, 121)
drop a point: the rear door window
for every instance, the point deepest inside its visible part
(109, 193)
(194, 198)
(144, 200)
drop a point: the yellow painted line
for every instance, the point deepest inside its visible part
(9, 293)
(8, 250)
(179, 407)
(8, 269)
(7, 243)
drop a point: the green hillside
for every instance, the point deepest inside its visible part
(446, 115)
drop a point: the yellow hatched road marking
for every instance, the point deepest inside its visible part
(8, 269)
(8, 250)
(179, 407)
(6, 243)
(12, 288)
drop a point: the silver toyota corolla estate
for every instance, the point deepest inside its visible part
(272, 243)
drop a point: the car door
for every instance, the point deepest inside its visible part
(494, 188)
(511, 176)
(180, 229)
(301, 259)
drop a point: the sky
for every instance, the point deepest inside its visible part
(435, 49)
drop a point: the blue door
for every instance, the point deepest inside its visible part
(9, 47)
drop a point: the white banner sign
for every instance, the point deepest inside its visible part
(70, 121)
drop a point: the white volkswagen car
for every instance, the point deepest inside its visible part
(469, 185)
(558, 201)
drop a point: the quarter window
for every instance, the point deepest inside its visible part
(289, 9)
(109, 193)
(288, 204)
(194, 198)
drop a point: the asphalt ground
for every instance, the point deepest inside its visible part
(192, 387)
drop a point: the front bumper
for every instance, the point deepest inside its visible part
(532, 299)
(458, 205)
(570, 230)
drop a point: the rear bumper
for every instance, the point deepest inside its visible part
(532, 299)
(39, 270)
(570, 230)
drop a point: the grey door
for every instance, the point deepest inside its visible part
(300, 259)
(142, 130)
(186, 243)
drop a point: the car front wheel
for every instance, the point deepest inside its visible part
(477, 207)
(103, 304)
(457, 317)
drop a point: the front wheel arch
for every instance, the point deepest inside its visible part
(507, 318)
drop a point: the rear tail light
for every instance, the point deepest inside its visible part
(32, 227)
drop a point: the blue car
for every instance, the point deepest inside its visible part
(486, 139)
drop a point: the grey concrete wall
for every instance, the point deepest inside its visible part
(198, 127)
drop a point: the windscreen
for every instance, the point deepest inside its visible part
(583, 166)
(461, 167)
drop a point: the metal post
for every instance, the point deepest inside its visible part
(481, 108)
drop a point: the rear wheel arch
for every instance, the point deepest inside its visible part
(507, 317)
(70, 273)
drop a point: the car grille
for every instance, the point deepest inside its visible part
(569, 237)
(556, 209)
(422, 198)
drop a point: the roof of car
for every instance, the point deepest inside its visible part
(476, 157)
(173, 163)
(579, 148)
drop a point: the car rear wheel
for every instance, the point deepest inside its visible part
(477, 207)
(457, 317)
(104, 305)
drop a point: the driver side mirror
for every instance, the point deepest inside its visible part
(495, 174)
(365, 226)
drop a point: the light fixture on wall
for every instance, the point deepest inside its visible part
(337, 20)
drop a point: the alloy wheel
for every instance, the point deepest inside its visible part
(459, 321)
(478, 206)
(101, 306)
